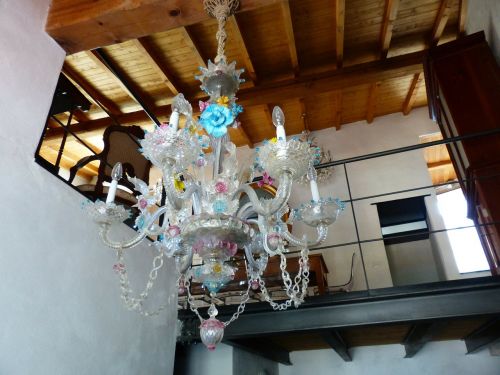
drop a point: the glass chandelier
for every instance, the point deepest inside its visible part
(202, 213)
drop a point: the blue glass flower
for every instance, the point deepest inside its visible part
(220, 206)
(236, 109)
(215, 119)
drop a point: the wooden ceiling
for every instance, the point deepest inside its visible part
(326, 62)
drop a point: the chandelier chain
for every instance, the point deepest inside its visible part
(221, 10)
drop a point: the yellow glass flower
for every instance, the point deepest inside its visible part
(223, 100)
(273, 140)
(217, 268)
(178, 183)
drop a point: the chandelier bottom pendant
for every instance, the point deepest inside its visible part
(202, 214)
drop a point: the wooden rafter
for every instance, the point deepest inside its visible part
(303, 87)
(287, 22)
(245, 136)
(188, 39)
(372, 102)
(144, 46)
(83, 25)
(339, 31)
(80, 116)
(268, 110)
(247, 61)
(303, 114)
(390, 13)
(412, 93)
(440, 164)
(440, 22)
(89, 91)
(337, 115)
(462, 17)
(102, 66)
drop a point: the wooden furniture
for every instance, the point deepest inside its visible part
(463, 89)
(121, 144)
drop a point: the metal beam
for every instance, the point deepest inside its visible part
(336, 341)
(370, 311)
(264, 348)
(419, 335)
(484, 336)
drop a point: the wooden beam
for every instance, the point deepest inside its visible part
(337, 95)
(92, 55)
(390, 13)
(244, 135)
(484, 336)
(264, 348)
(86, 24)
(303, 114)
(89, 91)
(287, 22)
(419, 335)
(188, 39)
(462, 17)
(247, 61)
(411, 97)
(339, 31)
(372, 102)
(439, 164)
(337, 343)
(335, 81)
(146, 49)
(440, 22)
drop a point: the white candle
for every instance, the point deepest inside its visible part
(280, 133)
(314, 190)
(111, 192)
(174, 119)
(116, 175)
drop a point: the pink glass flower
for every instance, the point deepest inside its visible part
(143, 203)
(119, 267)
(173, 230)
(203, 105)
(254, 284)
(221, 187)
(266, 180)
(164, 125)
(201, 162)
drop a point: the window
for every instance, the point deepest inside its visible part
(465, 243)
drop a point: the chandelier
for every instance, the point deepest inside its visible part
(203, 185)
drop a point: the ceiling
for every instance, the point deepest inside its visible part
(326, 63)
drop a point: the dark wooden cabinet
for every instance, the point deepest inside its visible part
(463, 89)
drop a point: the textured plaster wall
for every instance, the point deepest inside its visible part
(485, 15)
(371, 177)
(445, 357)
(60, 307)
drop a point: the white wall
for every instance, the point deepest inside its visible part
(485, 15)
(445, 357)
(60, 307)
(370, 177)
(199, 360)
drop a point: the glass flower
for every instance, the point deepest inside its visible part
(266, 180)
(221, 187)
(203, 105)
(223, 100)
(236, 109)
(215, 119)
(178, 183)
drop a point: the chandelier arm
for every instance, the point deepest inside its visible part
(277, 203)
(322, 231)
(184, 262)
(105, 228)
(244, 211)
(255, 268)
(177, 200)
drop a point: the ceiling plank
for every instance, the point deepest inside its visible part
(244, 135)
(146, 49)
(412, 93)
(439, 164)
(188, 39)
(247, 61)
(303, 114)
(462, 17)
(303, 87)
(89, 91)
(86, 24)
(372, 102)
(339, 31)
(287, 22)
(440, 22)
(390, 14)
